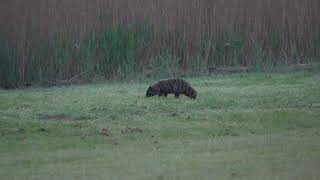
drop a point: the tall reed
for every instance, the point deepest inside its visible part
(43, 40)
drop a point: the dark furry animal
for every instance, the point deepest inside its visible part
(172, 86)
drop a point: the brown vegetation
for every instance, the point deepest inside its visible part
(220, 32)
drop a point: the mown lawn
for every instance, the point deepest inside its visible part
(242, 126)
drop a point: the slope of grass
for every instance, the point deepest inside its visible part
(242, 126)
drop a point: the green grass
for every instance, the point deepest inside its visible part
(242, 126)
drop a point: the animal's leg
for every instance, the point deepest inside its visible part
(165, 94)
(176, 95)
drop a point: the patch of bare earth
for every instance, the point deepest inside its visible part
(127, 130)
(106, 131)
(62, 117)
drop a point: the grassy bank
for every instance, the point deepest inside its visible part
(242, 126)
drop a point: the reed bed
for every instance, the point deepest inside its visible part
(56, 40)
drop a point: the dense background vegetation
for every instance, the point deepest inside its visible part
(49, 41)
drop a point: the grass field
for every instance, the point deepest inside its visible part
(242, 126)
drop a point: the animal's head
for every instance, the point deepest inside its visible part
(151, 91)
(192, 93)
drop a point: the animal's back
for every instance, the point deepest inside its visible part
(173, 85)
